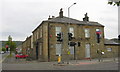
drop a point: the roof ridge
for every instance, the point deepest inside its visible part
(65, 19)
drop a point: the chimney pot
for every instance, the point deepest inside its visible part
(53, 16)
(86, 18)
(61, 13)
(49, 17)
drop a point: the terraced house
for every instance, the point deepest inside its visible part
(27, 46)
(52, 38)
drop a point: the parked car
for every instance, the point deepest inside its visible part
(2, 52)
(20, 56)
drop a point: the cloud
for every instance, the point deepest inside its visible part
(21, 17)
(14, 35)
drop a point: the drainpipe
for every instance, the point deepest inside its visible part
(48, 44)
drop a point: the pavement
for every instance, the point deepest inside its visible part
(86, 62)
(12, 60)
(22, 64)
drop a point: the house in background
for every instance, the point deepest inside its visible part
(111, 48)
(87, 38)
(27, 46)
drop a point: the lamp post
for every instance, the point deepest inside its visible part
(69, 10)
(68, 29)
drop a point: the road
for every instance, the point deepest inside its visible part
(94, 64)
(2, 58)
(112, 65)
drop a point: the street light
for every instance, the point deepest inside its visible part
(68, 29)
(69, 9)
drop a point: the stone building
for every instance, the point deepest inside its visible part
(19, 49)
(87, 38)
(111, 48)
(27, 46)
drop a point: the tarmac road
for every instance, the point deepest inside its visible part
(21, 64)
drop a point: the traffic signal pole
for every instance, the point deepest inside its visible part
(68, 32)
(60, 39)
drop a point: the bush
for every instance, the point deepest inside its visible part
(3, 49)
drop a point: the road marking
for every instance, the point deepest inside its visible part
(3, 59)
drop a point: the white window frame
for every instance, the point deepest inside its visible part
(57, 30)
(37, 34)
(87, 32)
(71, 48)
(40, 32)
(109, 49)
(71, 30)
(97, 29)
(58, 49)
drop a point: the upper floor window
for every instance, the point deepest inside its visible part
(71, 30)
(41, 32)
(98, 35)
(58, 30)
(87, 33)
(37, 34)
(98, 31)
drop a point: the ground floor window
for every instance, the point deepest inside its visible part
(109, 49)
(58, 49)
(71, 49)
(87, 50)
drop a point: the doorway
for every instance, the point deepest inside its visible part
(37, 50)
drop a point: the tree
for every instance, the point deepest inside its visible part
(11, 44)
(114, 2)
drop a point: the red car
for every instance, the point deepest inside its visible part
(20, 56)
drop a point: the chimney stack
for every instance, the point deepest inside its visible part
(86, 18)
(61, 13)
(49, 18)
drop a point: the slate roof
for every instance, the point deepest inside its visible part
(73, 21)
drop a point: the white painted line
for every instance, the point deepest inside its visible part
(3, 59)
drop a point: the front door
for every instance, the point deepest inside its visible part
(87, 51)
(37, 50)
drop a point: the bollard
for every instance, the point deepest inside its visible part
(59, 59)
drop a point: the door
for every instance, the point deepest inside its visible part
(37, 50)
(87, 51)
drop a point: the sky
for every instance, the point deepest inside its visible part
(19, 18)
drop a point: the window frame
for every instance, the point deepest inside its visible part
(87, 32)
(72, 49)
(58, 49)
(71, 30)
(57, 30)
